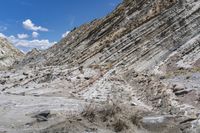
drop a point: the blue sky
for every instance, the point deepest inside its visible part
(40, 23)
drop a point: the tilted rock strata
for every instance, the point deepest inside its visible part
(94, 72)
(139, 34)
(8, 53)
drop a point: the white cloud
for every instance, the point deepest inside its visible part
(27, 45)
(22, 36)
(2, 35)
(3, 28)
(35, 34)
(41, 44)
(27, 24)
(65, 34)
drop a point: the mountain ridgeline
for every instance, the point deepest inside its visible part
(139, 34)
(8, 53)
(137, 70)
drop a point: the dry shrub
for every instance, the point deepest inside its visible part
(89, 113)
(109, 111)
(119, 126)
(137, 116)
(110, 114)
(135, 119)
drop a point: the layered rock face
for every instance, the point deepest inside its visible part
(8, 53)
(139, 34)
(133, 71)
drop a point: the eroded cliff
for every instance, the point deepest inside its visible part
(135, 70)
(8, 53)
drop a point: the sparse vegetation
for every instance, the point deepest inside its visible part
(112, 115)
(135, 119)
(109, 111)
(114, 62)
(120, 125)
(182, 71)
(89, 113)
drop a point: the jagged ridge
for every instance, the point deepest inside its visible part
(8, 53)
(139, 34)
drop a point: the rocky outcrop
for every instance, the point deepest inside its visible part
(32, 58)
(135, 70)
(137, 34)
(186, 57)
(8, 53)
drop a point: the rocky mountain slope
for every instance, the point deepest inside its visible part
(137, 70)
(8, 53)
(138, 33)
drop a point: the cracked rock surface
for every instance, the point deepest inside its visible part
(137, 70)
